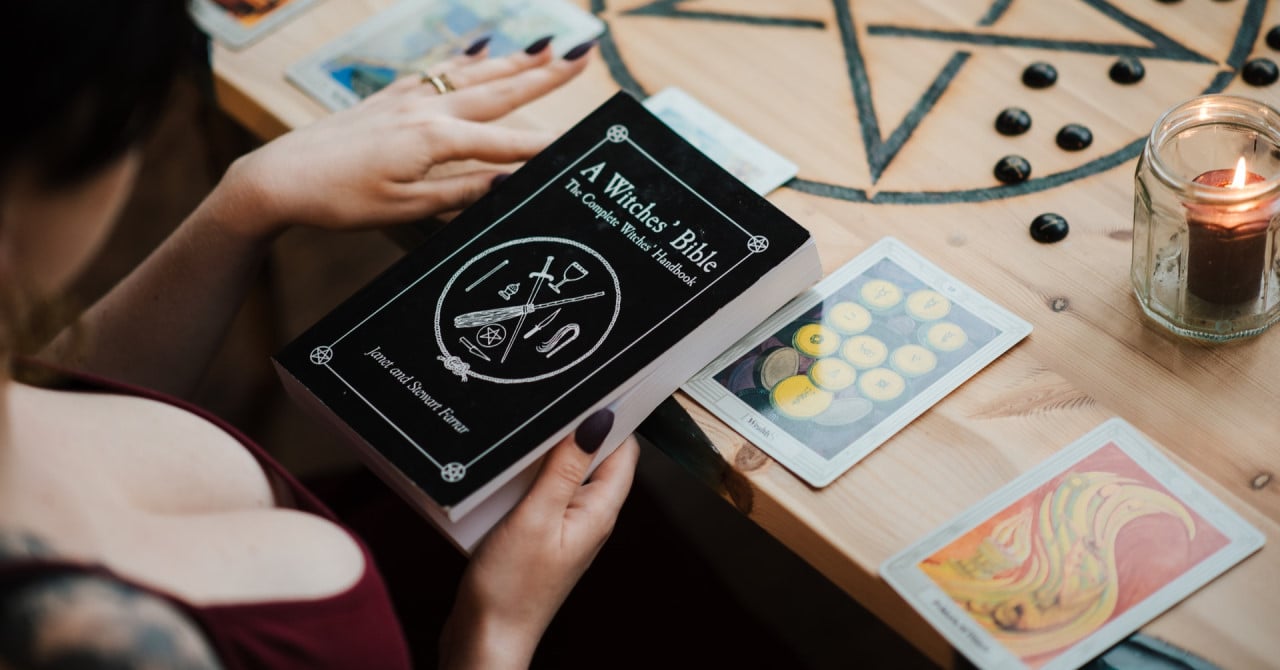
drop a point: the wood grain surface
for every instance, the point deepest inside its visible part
(888, 108)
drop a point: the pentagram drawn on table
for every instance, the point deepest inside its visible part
(882, 145)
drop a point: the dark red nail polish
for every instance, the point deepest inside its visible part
(592, 431)
(580, 50)
(538, 46)
(498, 179)
(477, 46)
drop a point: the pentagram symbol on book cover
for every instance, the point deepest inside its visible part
(880, 89)
(526, 310)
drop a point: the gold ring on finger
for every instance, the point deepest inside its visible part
(439, 81)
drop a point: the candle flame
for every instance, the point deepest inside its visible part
(1237, 180)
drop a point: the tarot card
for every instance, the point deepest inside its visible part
(844, 366)
(1070, 558)
(238, 23)
(413, 35)
(755, 164)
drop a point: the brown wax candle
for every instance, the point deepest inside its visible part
(1227, 245)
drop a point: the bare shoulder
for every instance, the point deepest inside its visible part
(90, 621)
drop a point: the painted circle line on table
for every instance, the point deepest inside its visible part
(1273, 38)
(1049, 228)
(1127, 70)
(1074, 137)
(1039, 75)
(1260, 72)
(886, 143)
(1013, 121)
(1012, 169)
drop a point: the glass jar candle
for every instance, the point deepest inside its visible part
(1205, 212)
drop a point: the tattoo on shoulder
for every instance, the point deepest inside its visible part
(20, 544)
(75, 621)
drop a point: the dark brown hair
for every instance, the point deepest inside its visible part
(86, 80)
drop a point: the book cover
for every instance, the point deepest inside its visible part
(604, 272)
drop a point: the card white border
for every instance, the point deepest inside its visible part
(776, 169)
(792, 452)
(901, 572)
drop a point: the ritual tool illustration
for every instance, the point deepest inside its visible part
(540, 277)
(509, 332)
(485, 317)
(510, 291)
(488, 274)
(491, 335)
(574, 272)
(542, 324)
(566, 334)
(474, 349)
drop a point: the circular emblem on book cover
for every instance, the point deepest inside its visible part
(527, 309)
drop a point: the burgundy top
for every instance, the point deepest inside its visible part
(354, 628)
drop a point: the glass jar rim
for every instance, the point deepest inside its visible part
(1230, 109)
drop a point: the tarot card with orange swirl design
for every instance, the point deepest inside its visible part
(1073, 556)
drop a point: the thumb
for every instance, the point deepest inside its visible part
(567, 464)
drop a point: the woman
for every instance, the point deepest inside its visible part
(137, 531)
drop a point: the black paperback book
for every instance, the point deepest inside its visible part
(603, 273)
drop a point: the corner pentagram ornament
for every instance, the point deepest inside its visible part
(321, 355)
(453, 472)
(565, 287)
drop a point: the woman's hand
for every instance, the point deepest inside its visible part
(369, 165)
(522, 572)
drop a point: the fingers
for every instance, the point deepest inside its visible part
(502, 94)
(476, 71)
(452, 139)
(566, 467)
(448, 194)
(610, 483)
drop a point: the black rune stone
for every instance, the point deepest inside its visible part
(1049, 228)
(1273, 38)
(1013, 169)
(1074, 137)
(1260, 72)
(1013, 121)
(1127, 70)
(1039, 75)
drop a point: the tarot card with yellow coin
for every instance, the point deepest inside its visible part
(1070, 558)
(843, 367)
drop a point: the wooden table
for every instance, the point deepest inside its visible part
(888, 109)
